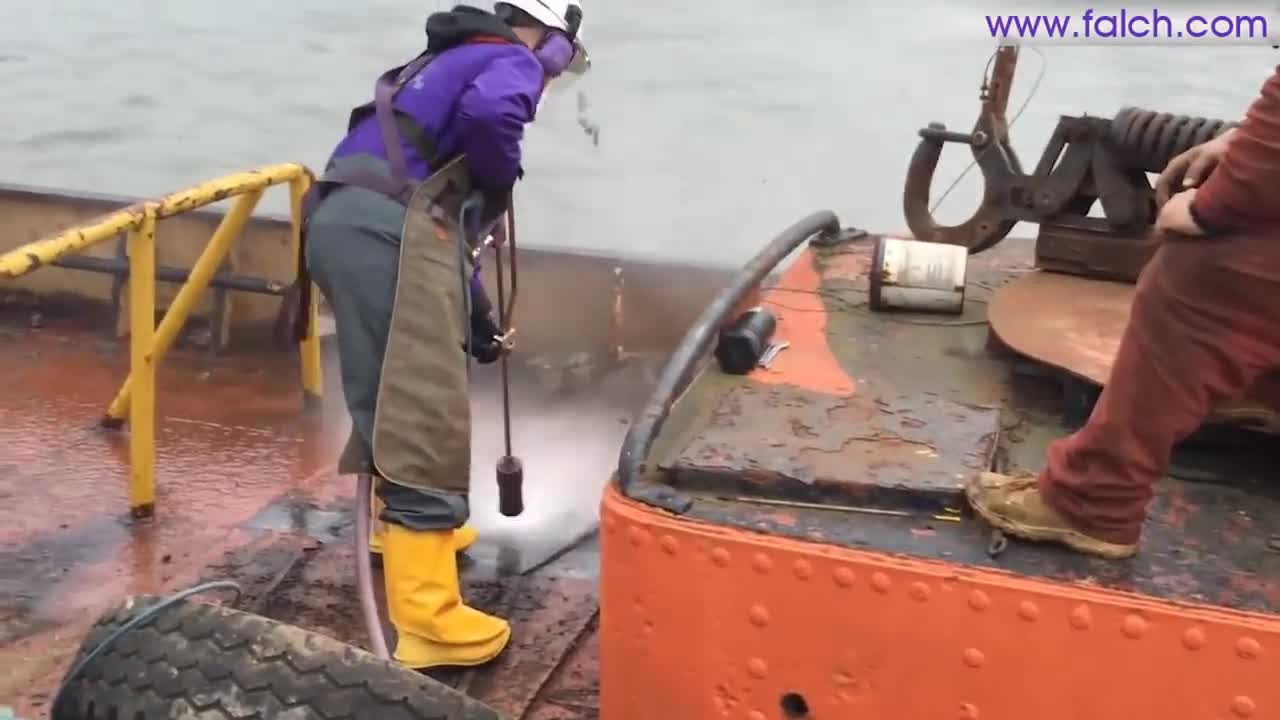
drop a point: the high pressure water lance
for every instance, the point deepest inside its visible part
(510, 471)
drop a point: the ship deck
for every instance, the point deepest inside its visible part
(864, 431)
(860, 435)
(247, 492)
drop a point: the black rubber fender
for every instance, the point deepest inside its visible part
(195, 661)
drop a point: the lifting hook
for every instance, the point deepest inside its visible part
(993, 155)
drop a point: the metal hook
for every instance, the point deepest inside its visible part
(995, 157)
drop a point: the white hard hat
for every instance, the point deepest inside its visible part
(563, 15)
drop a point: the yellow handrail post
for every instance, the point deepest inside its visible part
(205, 267)
(309, 348)
(142, 364)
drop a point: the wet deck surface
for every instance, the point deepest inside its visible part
(246, 492)
(881, 415)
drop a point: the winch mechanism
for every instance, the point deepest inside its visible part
(1088, 160)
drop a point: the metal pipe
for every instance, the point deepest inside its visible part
(185, 300)
(309, 347)
(364, 568)
(683, 362)
(510, 471)
(165, 273)
(504, 322)
(142, 367)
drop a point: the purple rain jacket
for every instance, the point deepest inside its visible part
(473, 98)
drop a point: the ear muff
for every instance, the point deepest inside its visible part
(573, 21)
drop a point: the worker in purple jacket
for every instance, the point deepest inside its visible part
(425, 170)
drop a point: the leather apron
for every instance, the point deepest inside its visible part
(421, 432)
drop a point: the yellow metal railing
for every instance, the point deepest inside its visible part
(149, 342)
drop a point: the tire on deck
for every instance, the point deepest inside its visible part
(197, 661)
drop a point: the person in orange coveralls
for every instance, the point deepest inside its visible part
(1205, 326)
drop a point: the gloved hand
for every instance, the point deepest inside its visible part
(555, 53)
(485, 348)
(486, 352)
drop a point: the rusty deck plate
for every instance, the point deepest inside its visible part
(882, 449)
(1202, 543)
(1074, 324)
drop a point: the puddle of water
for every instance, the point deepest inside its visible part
(297, 516)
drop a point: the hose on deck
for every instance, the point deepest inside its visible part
(684, 360)
(364, 568)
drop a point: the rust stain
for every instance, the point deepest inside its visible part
(231, 440)
(1075, 324)
(788, 439)
(802, 321)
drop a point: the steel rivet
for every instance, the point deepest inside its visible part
(974, 658)
(1134, 627)
(919, 591)
(1248, 648)
(759, 615)
(669, 545)
(844, 577)
(1028, 611)
(968, 711)
(637, 536)
(1193, 638)
(802, 569)
(758, 668)
(979, 600)
(1081, 618)
(880, 582)
(720, 557)
(761, 563)
(1244, 707)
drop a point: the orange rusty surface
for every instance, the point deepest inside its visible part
(796, 301)
(705, 621)
(1075, 324)
(1072, 323)
(232, 440)
(819, 426)
(767, 609)
(247, 492)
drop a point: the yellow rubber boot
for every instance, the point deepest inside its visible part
(424, 600)
(463, 538)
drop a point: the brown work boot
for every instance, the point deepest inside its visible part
(1015, 506)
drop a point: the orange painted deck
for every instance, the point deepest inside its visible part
(826, 565)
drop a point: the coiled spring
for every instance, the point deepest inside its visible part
(1148, 140)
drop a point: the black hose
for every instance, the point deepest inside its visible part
(684, 360)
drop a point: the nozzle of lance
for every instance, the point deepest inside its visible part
(510, 486)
